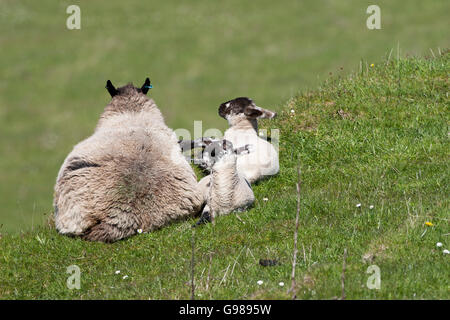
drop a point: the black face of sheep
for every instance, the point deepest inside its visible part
(123, 90)
(244, 106)
(216, 149)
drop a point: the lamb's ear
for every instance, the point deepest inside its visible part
(146, 86)
(224, 144)
(227, 145)
(252, 112)
(223, 109)
(111, 89)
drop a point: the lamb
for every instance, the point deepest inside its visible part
(129, 175)
(242, 115)
(228, 190)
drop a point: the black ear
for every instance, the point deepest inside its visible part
(223, 110)
(111, 89)
(227, 145)
(252, 113)
(146, 86)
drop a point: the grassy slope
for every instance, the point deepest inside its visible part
(379, 137)
(197, 53)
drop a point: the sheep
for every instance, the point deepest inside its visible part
(228, 190)
(242, 115)
(129, 174)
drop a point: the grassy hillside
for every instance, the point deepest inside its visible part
(378, 137)
(198, 55)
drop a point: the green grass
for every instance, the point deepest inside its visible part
(376, 137)
(198, 55)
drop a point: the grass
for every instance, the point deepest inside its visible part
(377, 137)
(198, 55)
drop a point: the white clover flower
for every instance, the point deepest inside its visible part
(260, 282)
(446, 251)
(124, 277)
(139, 230)
(358, 205)
(281, 284)
(439, 244)
(117, 272)
(371, 206)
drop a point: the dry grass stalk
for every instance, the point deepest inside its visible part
(294, 261)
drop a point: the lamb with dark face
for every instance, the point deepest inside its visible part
(228, 189)
(244, 109)
(242, 115)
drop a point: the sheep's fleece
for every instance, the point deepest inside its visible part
(129, 175)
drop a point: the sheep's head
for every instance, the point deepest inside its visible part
(129, 89)
(244, 107)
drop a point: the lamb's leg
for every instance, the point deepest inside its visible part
(204, 218)
(203, 188)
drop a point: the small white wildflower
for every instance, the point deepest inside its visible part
(281, 284)
(124, 277)
(139, 230)
(292, 111)
(371, 206)
(260, 282)
(446, 251)
(439, 244)
(358, 205)
(265, 199)
(117, 272)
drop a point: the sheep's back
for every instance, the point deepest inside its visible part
(132, 179)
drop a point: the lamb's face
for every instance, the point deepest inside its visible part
(222, 151)
(244, 107)
(217, 151)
